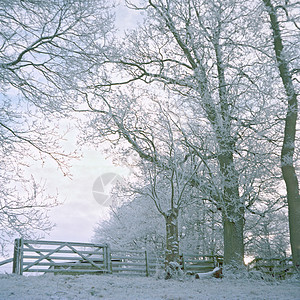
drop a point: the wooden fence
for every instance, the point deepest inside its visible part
(147, 263)
(77, 258)
(278, 268)
(135, 262)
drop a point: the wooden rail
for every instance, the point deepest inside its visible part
(6, 261)
(143, 262)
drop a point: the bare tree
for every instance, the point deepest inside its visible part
(170, 190)
(267, 235)
(284, 59)
(44, 46)
(144, 135)
(195, 53)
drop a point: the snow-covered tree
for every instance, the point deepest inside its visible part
(285, 27)
(202, 61)
(134, 224)
(267, 235)
(170, 189)
(45, 50)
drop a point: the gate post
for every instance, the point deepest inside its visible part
(147, 263)
(18, 257)
(21, 255)
(107, 259)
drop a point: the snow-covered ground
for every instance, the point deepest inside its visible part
(120, 287)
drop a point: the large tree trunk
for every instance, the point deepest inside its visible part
(293, 198)
(288, 147)
(233, 241)
(232, 213)
(232, 208)
(172, 243)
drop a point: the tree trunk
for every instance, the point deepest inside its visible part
(172, 243)
(233, 241)
(232, 213)
(288, 147)
(232, 207)
(293, 198)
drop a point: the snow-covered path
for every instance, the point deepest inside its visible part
(120, 288)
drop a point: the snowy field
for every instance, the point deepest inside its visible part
(116, 287)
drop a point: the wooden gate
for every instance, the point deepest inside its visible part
(60, 257)
(197, 263)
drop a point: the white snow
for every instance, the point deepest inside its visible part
(121, 287)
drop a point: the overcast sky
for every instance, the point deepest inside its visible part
(77, 216)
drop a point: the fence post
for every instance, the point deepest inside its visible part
(147, 263)
(21, 255)
(183, 262)
(215, 259)
(109, 265)
(16, 259)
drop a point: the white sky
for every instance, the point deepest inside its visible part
(78, 215)
(127, 18)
